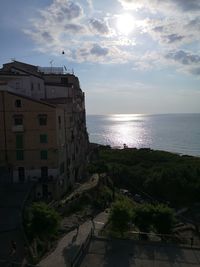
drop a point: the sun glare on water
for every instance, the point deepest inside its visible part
(125, 24)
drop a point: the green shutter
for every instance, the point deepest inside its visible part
(62, 168)
(43, 154)
(43, 138)
(20, 154)
(19, 141)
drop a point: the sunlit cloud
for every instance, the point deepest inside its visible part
(162, 6)
(99, 26)
(187, 61)
(144, 42)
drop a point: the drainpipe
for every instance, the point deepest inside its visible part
(4, 124)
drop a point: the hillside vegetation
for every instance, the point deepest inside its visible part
(156, 175)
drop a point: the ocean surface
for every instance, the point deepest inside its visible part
(178, 133)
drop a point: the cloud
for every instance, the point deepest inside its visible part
(75, 28)
(92, 52)
(172, 38)
(64, 26)
(190, 62)
(183, 57)
(98, 50)
(53, 27)
(99, 26)
(61, 10)
(177, 60)
(47, 36)
(187, 5)
(173, 32)
(90, 4)
(163, 6)
(158, 29)
(153, 44)
(194, 24)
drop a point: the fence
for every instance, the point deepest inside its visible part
(75, 262)
(175, 238)
(7, 263)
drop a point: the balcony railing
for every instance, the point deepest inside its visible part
(18, 128)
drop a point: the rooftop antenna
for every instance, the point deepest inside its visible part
(65, 68)
(13, 59)
(51, 63)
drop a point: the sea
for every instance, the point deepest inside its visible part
(179, 133)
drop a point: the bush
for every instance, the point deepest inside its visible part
(163, 220)
(121, 215)
(43, 221)
(103, 197)
(143, 217)
(162, 175)
(159, 218)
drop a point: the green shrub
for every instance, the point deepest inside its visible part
(43, 221)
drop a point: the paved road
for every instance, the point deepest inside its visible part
(71, 242)
(127, 253)
(11, 201)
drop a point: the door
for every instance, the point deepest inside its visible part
(21, 174)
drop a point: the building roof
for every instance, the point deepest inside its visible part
(21, 66)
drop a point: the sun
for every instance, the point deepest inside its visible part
(125, 24)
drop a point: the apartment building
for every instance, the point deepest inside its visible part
(42, 127)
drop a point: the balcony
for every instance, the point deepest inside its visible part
(18, 128)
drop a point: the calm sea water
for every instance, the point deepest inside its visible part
(178, 133)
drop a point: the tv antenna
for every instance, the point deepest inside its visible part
(51, 63)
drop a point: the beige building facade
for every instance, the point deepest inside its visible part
(42, 128)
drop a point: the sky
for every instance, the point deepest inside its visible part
(131, 56)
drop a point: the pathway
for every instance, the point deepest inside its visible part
(71, 242)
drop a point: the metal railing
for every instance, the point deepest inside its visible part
(10, 263)
(176, 239)
(76, 261)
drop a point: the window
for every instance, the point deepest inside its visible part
(18, 103)
(38, 86)
(19, 154)
(43, 154)
(32, 86)
(64, 80)
(72, 135)
(68, 161)
(42, 119)
(43, 138)
(17, 85)
(21, 174)
(18, 120)
(44, 172)
(59, 122)
(19, 141)
(62, 168)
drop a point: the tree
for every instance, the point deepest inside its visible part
(156, 217)
(163, 219)
(143, 215)
(44, 221)
(121, 215)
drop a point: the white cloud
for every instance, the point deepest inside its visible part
(62, 10)
(63, 25)
(99, 26)
(162, 6)
(187, 61)
(172, 32)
